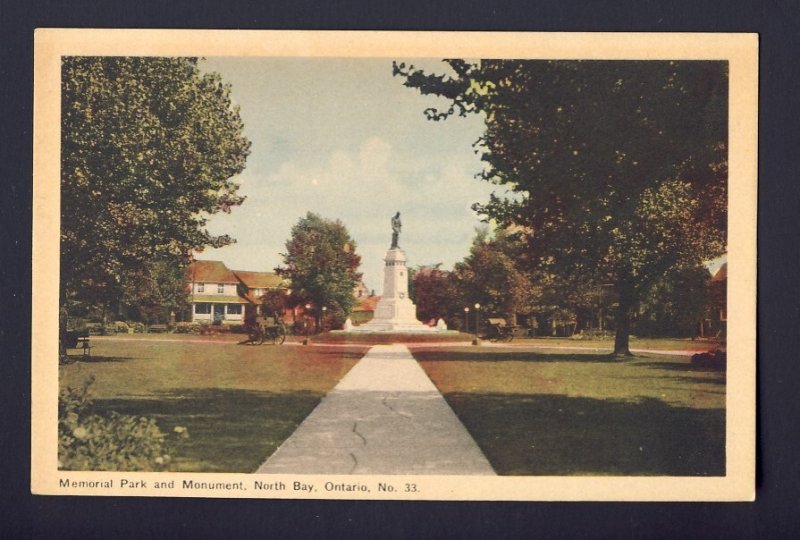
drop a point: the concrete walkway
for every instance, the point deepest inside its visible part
(384, 417)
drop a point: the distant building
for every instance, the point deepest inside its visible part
(716, 321)
(223, 296)
(214, 293)
(253, 287)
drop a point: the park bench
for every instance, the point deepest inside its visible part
(78, 339)
(499, 330)
(157, 328)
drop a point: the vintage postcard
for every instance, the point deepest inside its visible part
(394, 265)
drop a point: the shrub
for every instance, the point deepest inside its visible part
(121, 327)
(94, 329)
(214, 329)
(110, 442)
(187, 328)
(138, 327)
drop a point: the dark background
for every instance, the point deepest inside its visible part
(774, 514)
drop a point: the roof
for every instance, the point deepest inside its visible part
(217, 298)
(722, 273)
(259, 280)
(210, 272)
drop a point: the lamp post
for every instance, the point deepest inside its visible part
(466, 319)
(477, 321)
(324, 309)
(305, 316)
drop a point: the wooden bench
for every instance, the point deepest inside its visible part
(76, 339)
(499, 329)
(157, 328)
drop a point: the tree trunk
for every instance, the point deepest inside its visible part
(623, 322)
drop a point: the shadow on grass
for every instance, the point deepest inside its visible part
(339, 354)
(680, 366)
(230, 430)
(505, 355)
(560, 435)
(100, 359)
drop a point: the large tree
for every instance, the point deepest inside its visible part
(616, 171)
(322, 265)
(435, 294)
(149, 149)
(491, 276)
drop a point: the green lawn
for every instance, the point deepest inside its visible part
(547, 412)
(664, 344)
(239, 402)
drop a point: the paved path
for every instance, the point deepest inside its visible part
(384, 417)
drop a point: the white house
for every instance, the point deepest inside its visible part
(214, 293)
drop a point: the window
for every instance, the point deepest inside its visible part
(220, 288)
(234, 309)
(202, 309)
(201, 287)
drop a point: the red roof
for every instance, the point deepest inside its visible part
(722, 273)
(259, 280)
(210, 272)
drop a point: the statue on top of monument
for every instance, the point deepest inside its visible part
(396, 226)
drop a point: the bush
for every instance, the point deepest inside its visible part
(121, 327)
(238, 328)
(211, 329)
(187, 328)
(112, 442)
(94, 329)
(138, 327)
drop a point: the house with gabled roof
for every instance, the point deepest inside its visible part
(717, 322)
(254, 285)
(214, 293)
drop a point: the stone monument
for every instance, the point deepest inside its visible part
(395, 311)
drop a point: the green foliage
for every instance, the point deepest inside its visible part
(321, 264)
(274, 301)
(491, 276)
(436, 295)
(149, 147)
(149, 294)
(614, 171)
(674, 304)
(111, 442)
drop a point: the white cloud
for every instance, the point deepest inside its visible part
(358, 154)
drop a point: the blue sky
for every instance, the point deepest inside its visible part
(345, 139)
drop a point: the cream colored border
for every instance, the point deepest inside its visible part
(741, 50)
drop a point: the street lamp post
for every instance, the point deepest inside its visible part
(466, 319)
(305, 316)
(324, 309)
(477, 321)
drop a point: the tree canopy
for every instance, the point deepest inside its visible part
(321, 264)
(434, 293)
(615, 172)
(149, 149)
(491, 276)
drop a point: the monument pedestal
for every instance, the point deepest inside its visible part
(395, 311)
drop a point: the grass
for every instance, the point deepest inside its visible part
(385, 338)
(537, 412)
(239, 402)
(664, 344)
